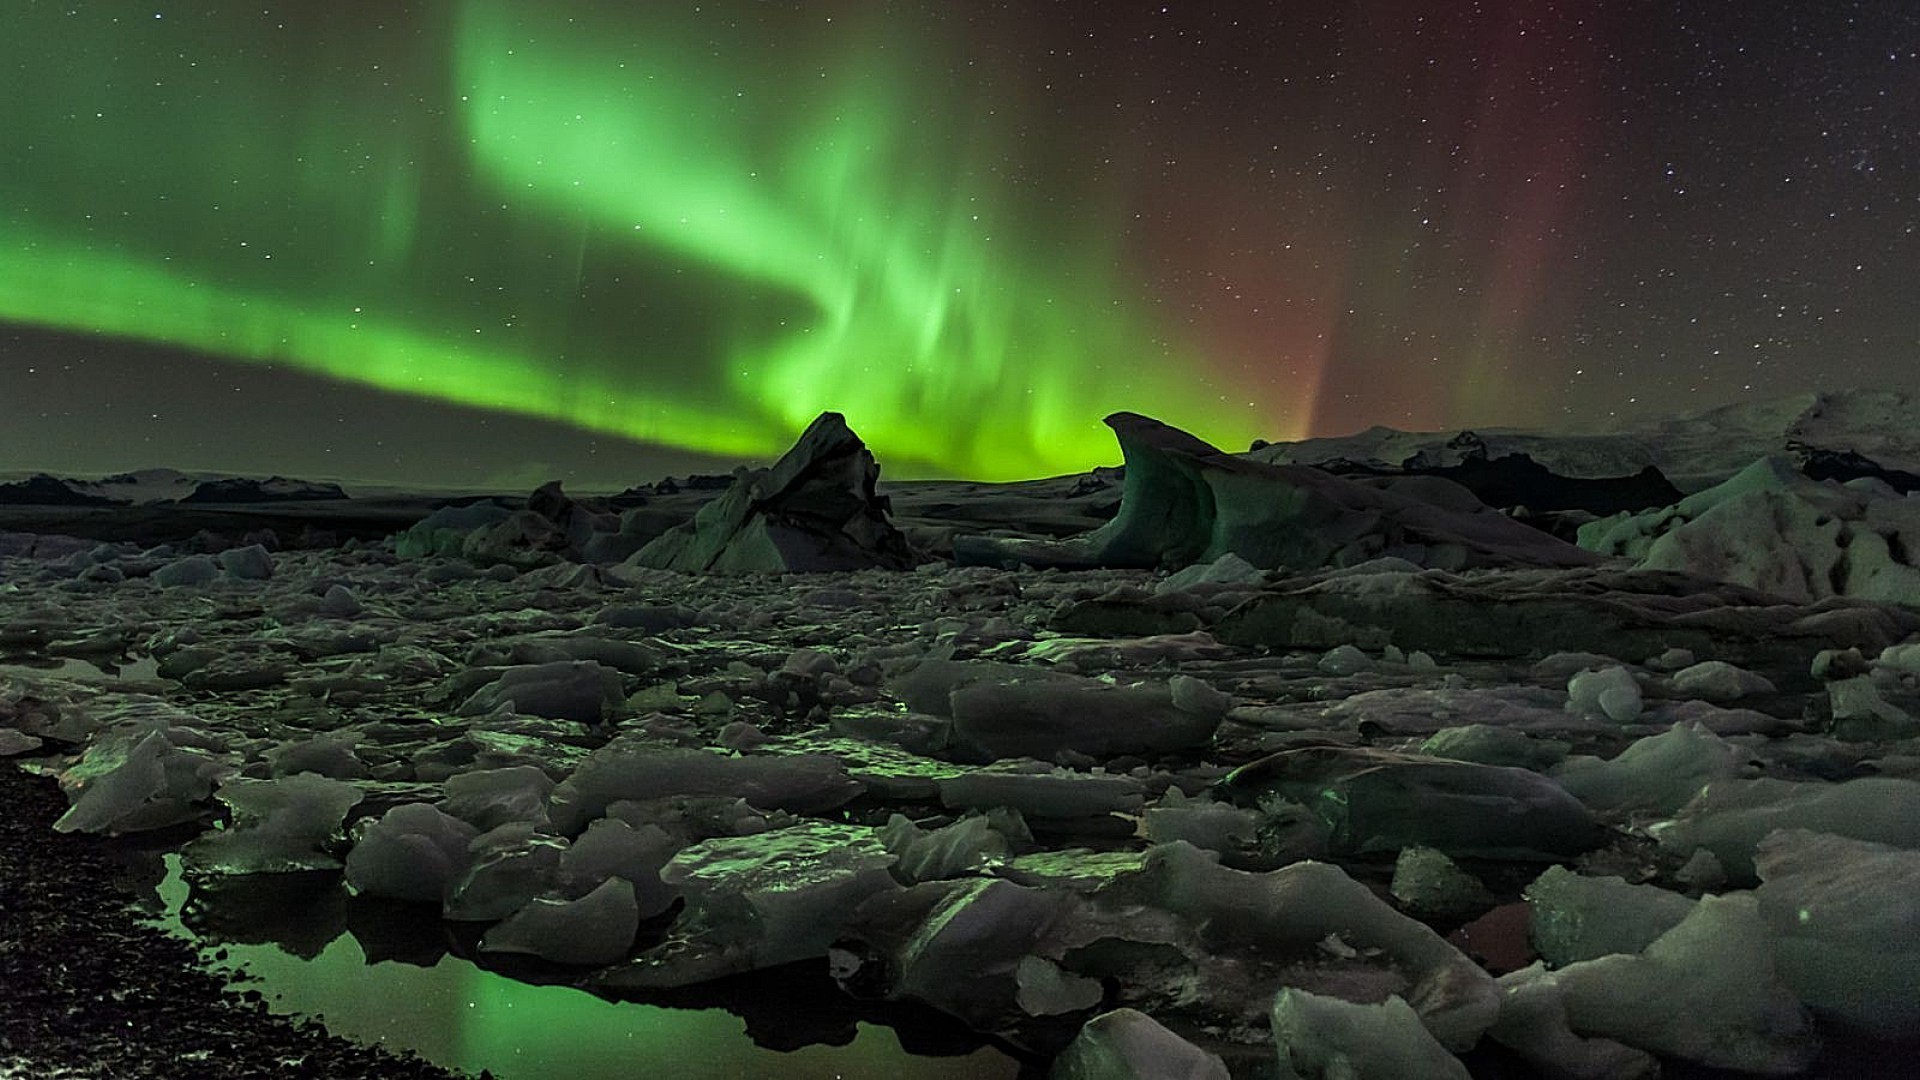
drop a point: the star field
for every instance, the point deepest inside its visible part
(630, 234)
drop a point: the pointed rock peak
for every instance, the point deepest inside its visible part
(815, 509)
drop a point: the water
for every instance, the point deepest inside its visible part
(143, 669)
(304, 945)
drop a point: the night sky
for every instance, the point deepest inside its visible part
(482, 241)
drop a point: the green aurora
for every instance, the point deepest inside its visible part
(661, 226)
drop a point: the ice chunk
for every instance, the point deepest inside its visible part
(1576, 918)
(330, 755)
(251, 563)
(1706, 991)
(1730, 818)
(760, 901)
(1040, 792)
(635, 769)
(970, 845)
(412, 853)
(278, 826)
(1862, 714)
(595, 930)
(184, 573)
(507, 867)
(1042, 716)
(1344, 660)
(488, 798)
(1719, 681)
(340, 602)
(582, 691)
(1489, 744)
(1610, 692)
(959, 945)
(1232, 831)
(1378, 800)
(135, 778)
(1043, 988)
(14, 742)
(1127, 1044)
(1433, 887)
(1533, 1023)
(613, 848)
(1661, 772)
(1846, 921)
(1325, 1038)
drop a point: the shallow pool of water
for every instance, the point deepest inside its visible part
(457, 1014)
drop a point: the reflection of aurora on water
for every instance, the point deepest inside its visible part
(462, 1016)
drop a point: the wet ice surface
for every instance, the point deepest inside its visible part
(1029, 797)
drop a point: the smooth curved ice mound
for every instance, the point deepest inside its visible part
(1846, 921)
(412, 853)
(1660, 773)
(1705, 991)
(611, 848)
(1127, 1044)
(1325, 1038)
(594, 930)
(1575, 917)
(1730, 818)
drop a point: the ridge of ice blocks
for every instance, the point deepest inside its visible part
(279, 826)
(134, 778)
(1378, 800)
(1127, 1044)
(1706, 991)
(1660, 773)
(1297, 907)
(1730, 818)
(635, 769)
(1325, 1038)
(413, 852)
(1575, 917)
(594, 930)
(1845, 915)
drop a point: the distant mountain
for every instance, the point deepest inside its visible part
(1694, 450)
(44, 490)
(161, 487)
(272, 489)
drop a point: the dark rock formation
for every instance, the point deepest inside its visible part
(1845, 465)
(814, 510)
(1186, 501)
(44, 490)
